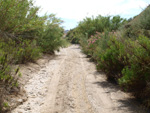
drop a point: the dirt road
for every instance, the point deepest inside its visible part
(69, 83)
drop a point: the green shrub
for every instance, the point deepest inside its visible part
(90, 46)
(51, 38)
(73, 36)
(7, 80)
(100, 24)
(136, 76)
(20, 52)
(27, 51)
(89, 26)
(112, 59)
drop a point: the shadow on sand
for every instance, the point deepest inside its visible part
(130, 104)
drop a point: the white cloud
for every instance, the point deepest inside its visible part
(79, 9)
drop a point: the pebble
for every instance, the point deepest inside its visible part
(20, 100)
(27, 108)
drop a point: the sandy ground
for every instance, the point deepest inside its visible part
(69, 83)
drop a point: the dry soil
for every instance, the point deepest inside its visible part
(69, 83)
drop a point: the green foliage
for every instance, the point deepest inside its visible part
(51, 38)
(137, 74)
(25, 34)
(108, 50)
(111, 61)
(89, 26)
(27, 51)
(117, 22)
(6, 104)
(100, 24)
(21, 52)
(7, 79)
(73, 36)
(23, 37)
(19, 17)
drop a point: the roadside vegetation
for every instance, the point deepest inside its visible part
(120, 48)
(24, 37)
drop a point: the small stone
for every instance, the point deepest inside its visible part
(46, 91)
(27, 108)
(20, 100)
(20, 111)
(41, 104)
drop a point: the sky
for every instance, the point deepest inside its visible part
(73, 11)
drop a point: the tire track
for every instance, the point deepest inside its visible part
(52, 88)
(70, 84)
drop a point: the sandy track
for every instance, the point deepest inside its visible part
(70, 84)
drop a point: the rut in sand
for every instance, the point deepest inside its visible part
(69, 83)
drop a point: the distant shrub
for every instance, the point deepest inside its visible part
(73, 36)
(89, 26)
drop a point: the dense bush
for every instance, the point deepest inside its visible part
(51, 38)
(136, 75)
(89, 26)
(21, 52)
(26, 51)
(100, 24)
(112, 60)
(19, 18)
(73, 36)
(24, 36)
(108, 50)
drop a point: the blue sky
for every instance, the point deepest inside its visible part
(73, 11)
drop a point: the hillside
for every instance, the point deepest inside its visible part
(140, 24)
